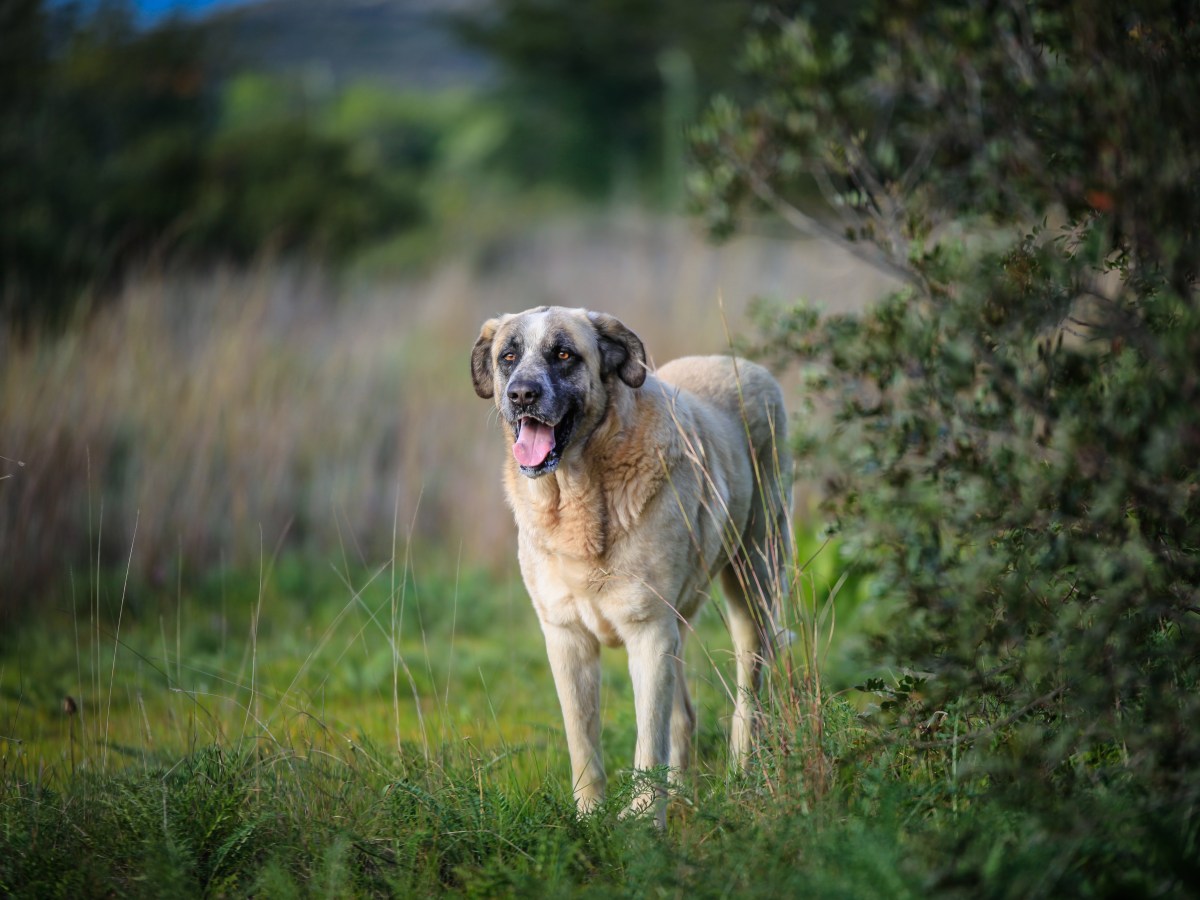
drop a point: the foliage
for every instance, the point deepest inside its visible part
(118, 144)
(122, 145)
(604, 84)
(290, 187)
(1014, 433)
(99, 130)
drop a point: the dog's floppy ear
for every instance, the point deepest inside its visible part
(481, 360)
(621, 350)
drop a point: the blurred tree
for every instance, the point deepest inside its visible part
(99, 150)
(592, 83)
(1016, 431)
(112, 151)
(289, 187)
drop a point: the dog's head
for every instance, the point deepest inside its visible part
(550, 371)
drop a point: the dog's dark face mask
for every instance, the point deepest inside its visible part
(549, 371)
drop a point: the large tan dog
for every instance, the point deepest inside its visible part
(631, 491)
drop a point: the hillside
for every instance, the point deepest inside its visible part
(406, 43)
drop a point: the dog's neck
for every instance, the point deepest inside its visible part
(592, 499)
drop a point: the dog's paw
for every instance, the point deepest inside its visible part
(645, 806)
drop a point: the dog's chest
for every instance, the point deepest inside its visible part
(570, 593)
(570, 520)
(588, 603)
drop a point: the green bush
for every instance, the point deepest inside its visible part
(1014, 433)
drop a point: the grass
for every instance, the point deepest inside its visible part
(410, 657)
(336, 731)
(309, 728)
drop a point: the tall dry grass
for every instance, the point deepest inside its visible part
(209, 418)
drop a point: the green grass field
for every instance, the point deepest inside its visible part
(334, 730)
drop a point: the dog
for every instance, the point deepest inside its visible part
(631, 491)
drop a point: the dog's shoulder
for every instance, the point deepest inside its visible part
(644, 448)
(742, 393)
(728, 382)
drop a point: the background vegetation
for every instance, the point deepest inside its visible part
(122, 144)
(263, 628)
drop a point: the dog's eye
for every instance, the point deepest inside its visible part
(509, 357)
(564, 355)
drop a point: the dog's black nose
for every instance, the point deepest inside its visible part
(524, 393)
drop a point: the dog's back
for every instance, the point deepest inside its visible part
(744, 392)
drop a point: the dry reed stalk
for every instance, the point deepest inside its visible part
(222, 407)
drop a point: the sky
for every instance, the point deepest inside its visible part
(151, 11)
(156, 9)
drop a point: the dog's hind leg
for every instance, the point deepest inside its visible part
(755, 581)
(749, 646)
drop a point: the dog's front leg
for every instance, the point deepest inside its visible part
(653, 653)
(575, 662)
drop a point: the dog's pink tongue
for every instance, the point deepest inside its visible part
(534, 443)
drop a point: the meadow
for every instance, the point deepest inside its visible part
(264, 631)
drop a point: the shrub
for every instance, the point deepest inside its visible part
(1014, 432)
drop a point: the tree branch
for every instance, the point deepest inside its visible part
(803, 222)
(991, 729)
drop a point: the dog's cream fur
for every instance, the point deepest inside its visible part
(665, 481)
